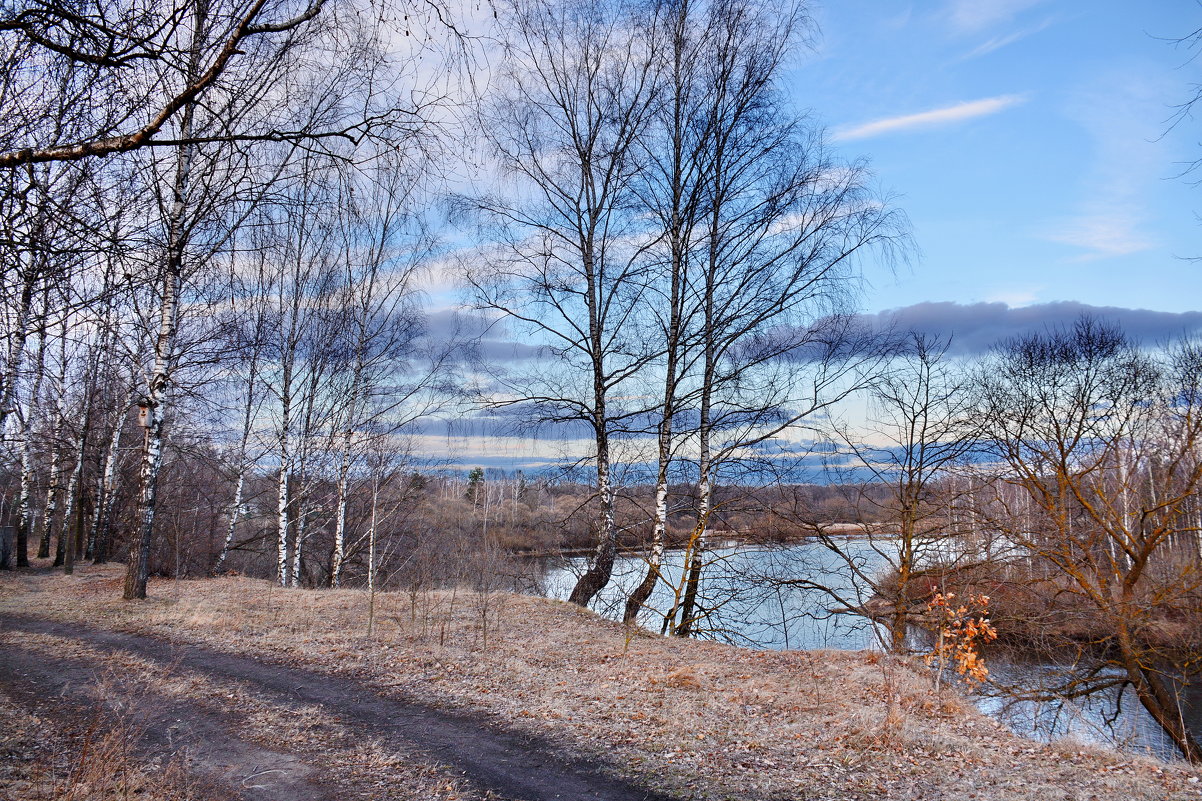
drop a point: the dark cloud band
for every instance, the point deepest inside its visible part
(976, 327)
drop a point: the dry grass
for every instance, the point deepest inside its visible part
(93, 760)
(713, 721)
(357, 762)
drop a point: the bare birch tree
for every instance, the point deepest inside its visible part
(781, 227)
(671, 188)
(573, 103)
(384, 382)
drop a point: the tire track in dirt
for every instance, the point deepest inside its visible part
(507, 764)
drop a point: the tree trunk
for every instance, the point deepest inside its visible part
(655, 557)
(598, 574)
(900, 620)
(283, 504)
(25, 518)
(102, 533)
(601, 568)
(24, 507)
(659, 533)
(64, 531)
(137, 571)
(371, 558)
(1162, 704)
(70, 529)
(158, 389)
(678, 232)
(16, 343)
(233, 524)
(52, 487)
(299, 527)
(696, 551)
(705, 482)
(339, 554)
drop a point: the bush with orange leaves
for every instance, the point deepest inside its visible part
(962, 629)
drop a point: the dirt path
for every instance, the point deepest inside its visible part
(497, 763)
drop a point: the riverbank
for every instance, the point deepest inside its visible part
(1035, 609)
(715, 539)
(695, 719)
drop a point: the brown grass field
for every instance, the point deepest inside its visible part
(691, 719)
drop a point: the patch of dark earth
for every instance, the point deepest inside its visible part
(497, 762)
(68, 748)
(162, 729)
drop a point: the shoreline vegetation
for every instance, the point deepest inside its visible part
(700, 719)
(722, 538)
(1033, 608)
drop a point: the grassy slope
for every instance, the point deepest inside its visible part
(714, 720)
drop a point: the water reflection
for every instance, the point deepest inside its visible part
(770, 598)
(747, 593)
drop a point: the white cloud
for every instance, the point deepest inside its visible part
(1103, 233)
(973, 16)
(1118, 112)
(998, 42)
(1015, 298)
(930, 119)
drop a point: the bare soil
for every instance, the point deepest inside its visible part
(463, 695)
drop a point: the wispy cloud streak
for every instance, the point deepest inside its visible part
(971, 16)
(998, 42)
(930, 119)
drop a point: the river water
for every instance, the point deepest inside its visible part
(796, 597)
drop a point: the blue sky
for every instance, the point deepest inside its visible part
(1026, 141)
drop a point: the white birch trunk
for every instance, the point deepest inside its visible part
(340, 513)
(344, 467)
(103, 518)
(157, 398)
(66, 535)
(55, 478)
(282, 504)
(233, 524)
(24, 501)
(371, 558)
(696, 549)
(51, 507)
(294, 578)
(158, 388)
(16, 344)
(284, 480)
(25, 519)
(601, 567)
(247, 423)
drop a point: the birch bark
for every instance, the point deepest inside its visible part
(25, 520)
(155, 403)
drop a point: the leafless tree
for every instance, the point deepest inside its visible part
(568, 270)
(1100, 442)
(671, 189)
(122, 74)
(781, 227)
(390, 374)
(918, 432)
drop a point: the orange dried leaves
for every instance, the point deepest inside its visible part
(962, 629)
